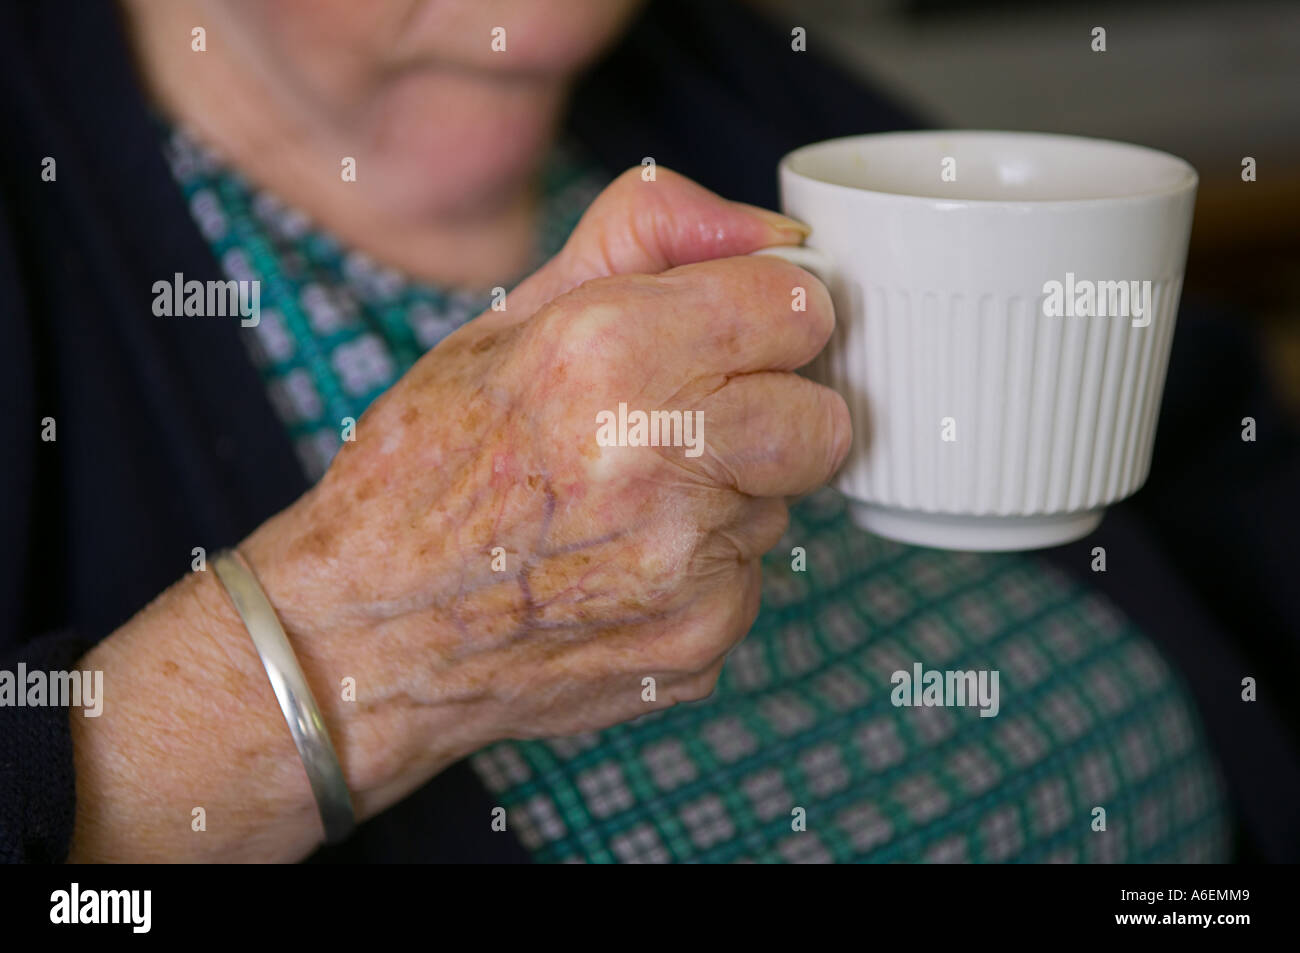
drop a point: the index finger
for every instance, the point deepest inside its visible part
(747, 314)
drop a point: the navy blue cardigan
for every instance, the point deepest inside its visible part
(166, 440)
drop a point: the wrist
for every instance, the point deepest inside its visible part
(391, 725)
(190, 759)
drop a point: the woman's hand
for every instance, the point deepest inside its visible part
(477, 563)
(477, 550)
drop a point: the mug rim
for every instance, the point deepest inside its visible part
(1186, 183)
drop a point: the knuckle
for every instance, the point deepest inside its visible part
(698, 689)
(691, 649)
(700, 646)
(699, 652)
(584, 323)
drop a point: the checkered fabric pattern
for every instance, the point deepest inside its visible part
(799, 755)
(336, 330)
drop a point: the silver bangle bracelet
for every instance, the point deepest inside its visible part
(290, 685)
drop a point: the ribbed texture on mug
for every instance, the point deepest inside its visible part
(1051, 414)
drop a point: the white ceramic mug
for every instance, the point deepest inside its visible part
(993, 409)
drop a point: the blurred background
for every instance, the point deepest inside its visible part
(1212, 82)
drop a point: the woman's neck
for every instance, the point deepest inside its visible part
(428, 170)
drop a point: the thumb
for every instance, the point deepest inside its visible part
(637, 226)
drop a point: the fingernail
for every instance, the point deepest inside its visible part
(789, 227)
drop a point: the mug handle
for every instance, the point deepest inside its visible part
(809, 259)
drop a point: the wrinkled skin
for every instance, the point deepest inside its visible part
(621, 562)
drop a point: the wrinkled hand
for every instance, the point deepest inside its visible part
(485, 568)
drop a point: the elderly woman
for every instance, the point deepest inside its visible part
(522, 644)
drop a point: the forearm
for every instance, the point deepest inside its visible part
(190, 722)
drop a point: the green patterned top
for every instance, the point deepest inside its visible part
(800, 754)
